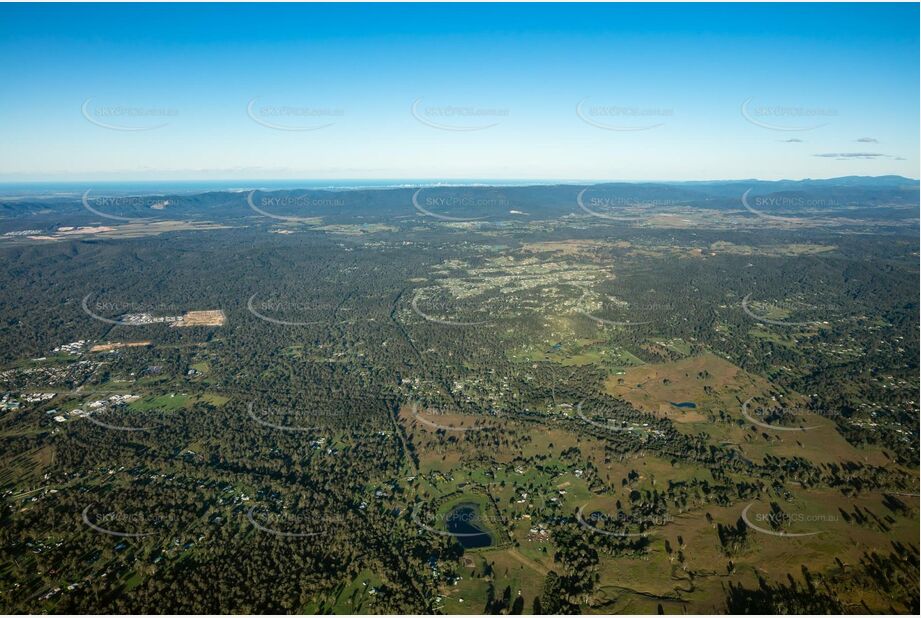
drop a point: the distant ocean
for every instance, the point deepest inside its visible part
(72, 188)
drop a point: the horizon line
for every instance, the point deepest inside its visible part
(410, 181)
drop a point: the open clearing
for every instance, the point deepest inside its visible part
(107, 347)
(211, 317)
(718, 389)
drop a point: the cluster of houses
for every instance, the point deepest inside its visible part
(9, 401)
(95, 406)
(74, 348)
(137, 319)
(38, 397)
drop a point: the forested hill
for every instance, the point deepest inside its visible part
(884, 198)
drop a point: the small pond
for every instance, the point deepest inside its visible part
(462, 521)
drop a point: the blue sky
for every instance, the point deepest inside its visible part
(619, 92)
